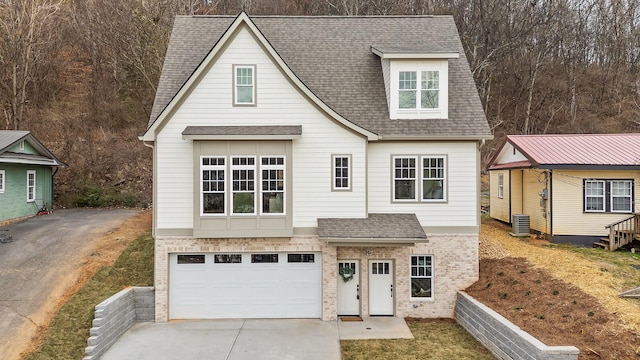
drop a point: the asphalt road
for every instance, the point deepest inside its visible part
(45, 248)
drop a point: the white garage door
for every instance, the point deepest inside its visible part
(245, 285)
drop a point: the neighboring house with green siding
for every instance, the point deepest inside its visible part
(26, 175)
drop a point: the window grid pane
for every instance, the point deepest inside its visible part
(272, 171)
(421, 276)
(405, 178)
(243, 185)
(341, 172)
(433, 178)
(244, 85)
(594, 195)
(213, 185)
(621, 196)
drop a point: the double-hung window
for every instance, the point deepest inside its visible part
(243, 171)
(272, 184)
(500, 186)
(244, 85)
(421, 276)
(341, 172)
(213, 184)
(2, 181)
(31, 185)
(433, 181)
(426, 96)
(608, 195)
(404, 178)
(425, 175)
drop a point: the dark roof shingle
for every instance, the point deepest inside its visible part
(375, 226)
(332, 56)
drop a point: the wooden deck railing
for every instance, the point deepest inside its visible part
(623, 232)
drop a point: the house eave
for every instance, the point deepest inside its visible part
(373, 242)
(414, 55)
(587, 167)
(30, 162)
(241, 137)
(477, 137)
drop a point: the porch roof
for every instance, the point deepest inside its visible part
(376, 229)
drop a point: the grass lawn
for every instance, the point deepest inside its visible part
(440, 339)
(67, 336)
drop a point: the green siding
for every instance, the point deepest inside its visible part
(13, 202)
(28, 149)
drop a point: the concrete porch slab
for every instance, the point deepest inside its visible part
(374, 328)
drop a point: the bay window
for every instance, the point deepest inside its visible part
(243, 171)
(272, 185)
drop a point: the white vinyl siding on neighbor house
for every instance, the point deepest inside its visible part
(280, 104)
(460, 208)
(567, 201)
(31, 185)
(419, 89)
(608, 195)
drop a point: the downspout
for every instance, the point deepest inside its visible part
(550, 204)
(150, 144)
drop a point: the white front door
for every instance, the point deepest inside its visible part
(349, 290)
(381, 290)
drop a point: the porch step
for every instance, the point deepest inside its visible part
(603, 243)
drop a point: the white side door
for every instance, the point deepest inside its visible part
(381, 290)
(349, 290)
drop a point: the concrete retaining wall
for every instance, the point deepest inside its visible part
(504, 339)
(115, 315)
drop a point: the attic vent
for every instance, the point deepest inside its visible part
(521, 224)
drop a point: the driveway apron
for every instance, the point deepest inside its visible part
(233, 339)
(45, 248)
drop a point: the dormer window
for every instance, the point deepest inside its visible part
(416, 82)
(428, 95)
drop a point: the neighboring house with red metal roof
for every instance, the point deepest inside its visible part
(571, 186)
(315, 167)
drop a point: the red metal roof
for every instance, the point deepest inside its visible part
(579, 149)
(511, 165)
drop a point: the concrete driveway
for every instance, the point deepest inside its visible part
(233, 339)
(45, 249)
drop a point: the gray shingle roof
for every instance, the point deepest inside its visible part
(243, 130)
(10, 137)
(332, 57)
(375, 226)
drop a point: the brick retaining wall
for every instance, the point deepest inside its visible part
(504, 339)
(115, 315)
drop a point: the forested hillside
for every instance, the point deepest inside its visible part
(81, 74)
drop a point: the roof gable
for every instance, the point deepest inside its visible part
(328, 57)
(571, 150)
(240, 21)
(38, 154)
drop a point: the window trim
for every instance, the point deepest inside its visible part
(349, 166)
(420, 75)
(431, 277)
(224, 193)
(253, 168)
(282, 167)
(443, 179)
(500, 186)
(253, 85)
(415, 178)
(607, 196)
(33, 197)
(3, 181)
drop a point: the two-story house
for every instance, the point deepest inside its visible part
(311, 167)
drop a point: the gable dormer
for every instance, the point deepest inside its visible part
(416, 82)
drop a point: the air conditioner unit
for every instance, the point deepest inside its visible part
(520, 224)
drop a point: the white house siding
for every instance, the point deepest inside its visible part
(461, 207)
(509, 154)
(278, 103)
(568, 215)
(499, 207)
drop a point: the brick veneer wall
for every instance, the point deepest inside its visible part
(504, 339)
(455, 268)
(115, 315)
